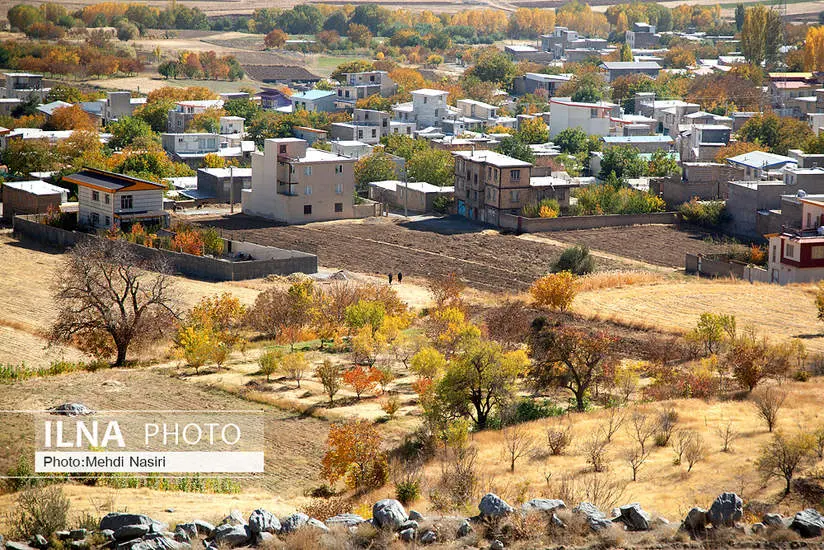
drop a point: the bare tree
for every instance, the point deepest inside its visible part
(109, 299)
(768, 401)
(595, 449)
(517, 443)
(641, 428)
(784, 455)
(636, 456)
(728, 434)
(558, 438)
(667, 418)
(614, 420)
(694, 451)
(508, 323)
(680, 442)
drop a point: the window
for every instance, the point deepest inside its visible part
(339, 169)
(515, 175)
(95, 217)
(107, 198)
(307, 209)
(593, 113)
(809, 219)
(424, 99)
(282, 150)
(338, 207)
(339, 188)
(307, 170)
(308, 190)
(95, 196)
(374, 132)
(108, 221)
(360, 134)
(817, 253)
(514, 196)
(789, 250)
(126, 202)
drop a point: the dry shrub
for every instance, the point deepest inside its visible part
(595, 449)
(782, 535)
(325, 508)
(612, 537)
(577, 528)
(517, 527)
(558, 438)
(617, 278)
(601, 489)
(458, 483)
(39, 511)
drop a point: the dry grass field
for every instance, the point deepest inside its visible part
(780, 312)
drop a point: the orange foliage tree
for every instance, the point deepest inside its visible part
(354, 453)
(362, 379)
(188, 242)
(71, 118)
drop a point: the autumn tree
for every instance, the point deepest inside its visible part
(108, 299)
(814, 49)
(568, 358)
(284, 313)
(127, 130)
(712, 331)
(269, 362)
(375, 167)
(361, 379)
(784, 456)
(359, 34)
(195, 346)
(761, 34)
(354, 453)
(555, 291)
(329, 375)
(275, 39)
(294, 366)
(767, 403)
(71, 118)
(752, 359)
(518, 442)
(508, 323)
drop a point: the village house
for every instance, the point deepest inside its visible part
(563, 42)
(361, 85)
(593, 118)
(757, 165)
(272, 99)
(642, 36)
(702, 142)
(106, 199)
(797, 255)
(523, 52)
(293, 76)
(22, 86)
(369, 126)
(531, 83)
(617, 69)
(314, 101)
(221, 185)
(118, 105)
(181, 116)
(428, 108)
(488, 183)
(192, 147)
(293, 183)
(30, 197)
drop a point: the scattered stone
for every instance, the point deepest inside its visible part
(389, 513)
(758, 528)
(774, 520)
(409, 524)
(493, 506)
(415, 515)
(78, 534)
(264, 537)
(261, 521)
(407, 535)
(726, 510)
(542, 505)
(464, 529)
(347, 520)
(108, 534)
(596, 518)
(808, 523)
(696, 520)
(62, 535)
(156, 541)
(234, 518)
(131, 532)
(170, 510)
(633, 517)
(71, 409)
(496, 545)
(317, 524)
(116, 520)
(294, 522)
(39, 541)
(204, 528)
(78, 544)
(558, 522)
(231, 535)
(185, 532)
(11, 545)
(428, 537)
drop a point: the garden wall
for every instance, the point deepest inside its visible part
(267, 260)
(565, 223)
(717, 267)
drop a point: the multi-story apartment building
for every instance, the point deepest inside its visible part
(24, 85)
(369, 126)
(181, 116)
(294, 183)
(357, 86)
(642, 36)
(592, 118)
(118, 105)
(427, 108)
(488, 183)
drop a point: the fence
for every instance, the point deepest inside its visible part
(266, 260)
(708, 266)
(565, 223)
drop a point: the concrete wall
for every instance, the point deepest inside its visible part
(268, 260)
(564, 223)
(715, 268)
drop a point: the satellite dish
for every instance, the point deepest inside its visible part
(801, 194)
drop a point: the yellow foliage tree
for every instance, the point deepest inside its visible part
(555, 291)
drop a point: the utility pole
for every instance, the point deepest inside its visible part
(231, 189)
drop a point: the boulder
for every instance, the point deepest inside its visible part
(758, 528)
(596, 518)
(542, 505)
(71, 409)
(156, 541)
(696, 520)
(185, 532)
(633, 517)
(464, 529)
(62, 535)
(496, 545)
(78, 534)
(263, 538)
(261, 521)
(428, 537)
(39, 541)
(409, 524)
(131, 532)
(231, 535)
(234, 518)
(407, 535)
(347, 520)
(107, 534)
(774, 520)
(493, 506)
(11, 545)
(413, 515)
(388, 513)
(727, 509)
(204, 528)
(116, 520)
(808, 523)
(558, 522)
(292, 523)
(317, 524)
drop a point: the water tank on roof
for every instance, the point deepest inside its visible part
(801, 194)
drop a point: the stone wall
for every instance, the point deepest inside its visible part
(566, 223)
(267, 260)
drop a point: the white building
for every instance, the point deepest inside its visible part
(428, 108)
(592, 118)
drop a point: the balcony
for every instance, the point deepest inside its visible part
(287, 188)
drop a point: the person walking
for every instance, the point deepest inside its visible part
(390, 278)
(400, 277)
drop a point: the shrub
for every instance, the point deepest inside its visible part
(710, 214)
(576, 259)
(558, 439)
(546, 208)
(408, 491)
(527, 410)
(390, 405)
(212, 242)
(555, 291)
(325, 508)
(39, 511)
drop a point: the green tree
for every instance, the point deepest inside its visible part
(244, 108)
(571, 140)
(662, 164)
(493, 65)
(126, 130)
(366, 313)
(624, 161)
(479, 378)
(784, 456)
(626, 52)
(375, 167)
(156, 114)
(533, 130)
(516, 148)
(434, 166)
(23, 16)
(403, 146)
(740, 11)
(302, 19)
(587, 88)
